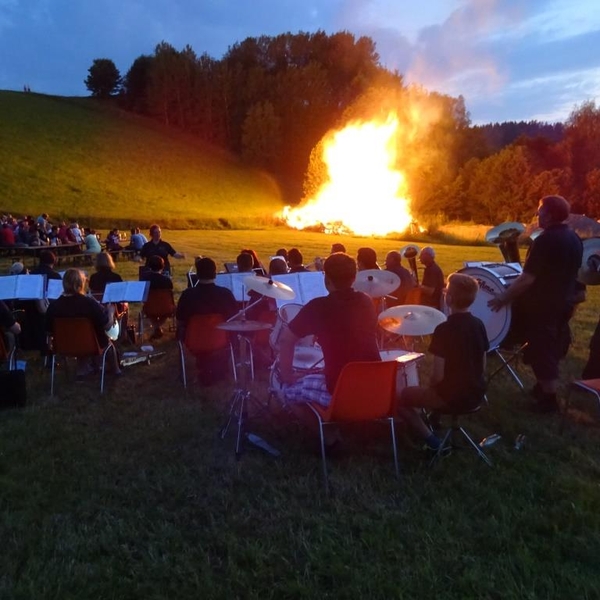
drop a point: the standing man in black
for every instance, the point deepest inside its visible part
(542, 297)
(158, 247)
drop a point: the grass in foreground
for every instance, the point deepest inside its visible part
(133, 495)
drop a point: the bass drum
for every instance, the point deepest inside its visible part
(493, 279)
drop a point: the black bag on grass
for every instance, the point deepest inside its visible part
(13, 391)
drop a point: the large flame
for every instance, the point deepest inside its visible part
(365, 193)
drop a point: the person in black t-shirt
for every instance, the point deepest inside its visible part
(459, 348)
(158, 247)
(543, 298)
(345, 324)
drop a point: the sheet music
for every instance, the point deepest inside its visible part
(22, 287)
(126, 291)
(54, 289)
(235, 283)
(307, 285)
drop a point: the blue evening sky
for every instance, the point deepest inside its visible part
(510, 59)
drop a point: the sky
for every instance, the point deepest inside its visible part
(510, 59)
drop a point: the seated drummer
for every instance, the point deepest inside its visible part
(459, 347)
(75, 303)
(345, 324)
(206, 298)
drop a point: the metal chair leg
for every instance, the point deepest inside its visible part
(393, 431)
(476, 447)
(323, 456)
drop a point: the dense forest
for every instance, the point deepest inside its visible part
(271, 100)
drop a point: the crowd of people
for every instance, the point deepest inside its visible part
(345, 320)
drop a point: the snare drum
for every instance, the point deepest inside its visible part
(407, 374)
(493, 279)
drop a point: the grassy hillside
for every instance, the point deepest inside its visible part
(77, 158)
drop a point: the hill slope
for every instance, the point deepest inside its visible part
(78, 158)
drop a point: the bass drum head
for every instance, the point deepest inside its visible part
(497, 323)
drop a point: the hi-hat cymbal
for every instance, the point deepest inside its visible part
(270, 288)
(588, 272)
(242, 326)
(503, 232)
(411, 319)
(376, 283)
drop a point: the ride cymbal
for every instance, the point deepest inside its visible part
(376, 283)
(270, 288)
(411, 319)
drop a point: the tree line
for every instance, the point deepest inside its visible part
(271, 100)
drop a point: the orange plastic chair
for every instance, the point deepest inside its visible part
(76, 337)
(159, 305)
(202, 335)
(591, 386)
(365, 391)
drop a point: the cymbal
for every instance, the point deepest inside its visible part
(244, 326)
(376, 283)
(503, 232)
(588, 272)
(270, 288)
(411, 319)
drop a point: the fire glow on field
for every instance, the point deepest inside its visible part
(365, 193)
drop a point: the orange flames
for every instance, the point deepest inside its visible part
(365, 193)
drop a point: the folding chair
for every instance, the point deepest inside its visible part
(365, 391)
(203, 336)
(455, 429)
(5, 354)
(160, 305)
(591, 386)
(76, 337)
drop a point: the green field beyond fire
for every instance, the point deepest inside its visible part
(75, 158)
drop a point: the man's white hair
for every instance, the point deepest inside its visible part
(428, 250)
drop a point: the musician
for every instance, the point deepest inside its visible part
(393, 263)
(543, 296)
(206, 298)
(9, 328)
(158, 247)
(158, 281)
(345, 324)
(366, 258)
(432, 283)
(75, 303)
(459, 347)
(296, 261)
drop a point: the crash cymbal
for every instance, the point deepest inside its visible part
(242, 326)
(376, 283)
(589, 271)
(270, 288)
(411, 319)
(503, 232)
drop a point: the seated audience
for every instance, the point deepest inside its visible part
(92, 245)
(137, 240)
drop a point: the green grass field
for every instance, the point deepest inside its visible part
(133, 494)
(76, 158)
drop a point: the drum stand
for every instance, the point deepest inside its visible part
(511, 356)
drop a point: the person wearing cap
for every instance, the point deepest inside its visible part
(432, 283)
(206, 298)
(158, 247)
(543, 298)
